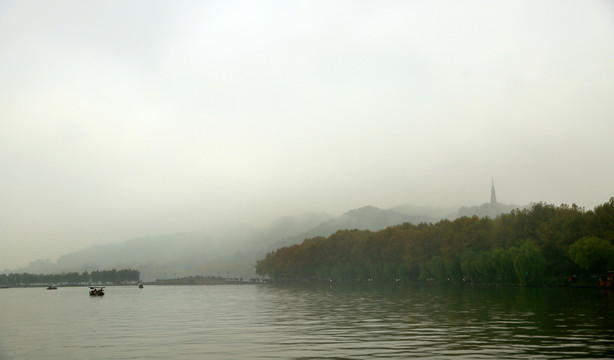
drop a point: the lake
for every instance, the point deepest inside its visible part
(306, 322)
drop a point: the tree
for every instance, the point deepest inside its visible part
(528, 261)
(603, 221)
(522, 246)
(592, 254)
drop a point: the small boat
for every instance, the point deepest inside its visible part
(140, 285)
(607, 280)
(52, 287)
(97, 291)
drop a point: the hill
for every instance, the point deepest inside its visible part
(231, 251)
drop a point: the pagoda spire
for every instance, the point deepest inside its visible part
(493, 195)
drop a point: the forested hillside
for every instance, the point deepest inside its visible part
(231, 251)
(364, 218)
(524, 246)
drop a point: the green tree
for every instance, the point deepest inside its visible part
(529, 263)
(592, 254)
(603, 221)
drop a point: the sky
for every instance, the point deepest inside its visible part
(121, 119)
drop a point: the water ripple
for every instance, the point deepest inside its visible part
(270, 322)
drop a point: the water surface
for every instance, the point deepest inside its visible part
(302, 322)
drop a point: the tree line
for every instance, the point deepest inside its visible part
(72, 278)
(537, 244)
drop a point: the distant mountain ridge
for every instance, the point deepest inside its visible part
(488, 210)
(364, 218)
(231, 251)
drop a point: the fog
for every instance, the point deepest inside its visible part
(125, 119)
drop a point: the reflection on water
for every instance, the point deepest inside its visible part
(449, 322)
(267, 321)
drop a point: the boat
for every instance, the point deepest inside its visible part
(52, 287)
(97, 291)
(607, 280)
(140, 285)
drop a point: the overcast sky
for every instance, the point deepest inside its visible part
(127, 118)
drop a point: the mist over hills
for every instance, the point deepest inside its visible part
(233, 251)
(364, 218)
(488, 209)
(229, 250)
